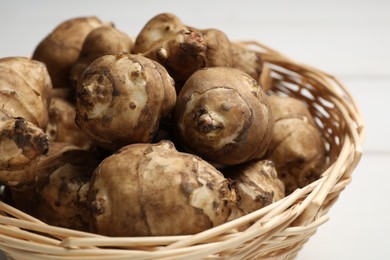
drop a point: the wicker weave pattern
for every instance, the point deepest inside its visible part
(277, 231)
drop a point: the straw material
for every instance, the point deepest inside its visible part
(277, 231)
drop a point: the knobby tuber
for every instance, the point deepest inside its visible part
(101, 41)
(25, 91)
(222, 114)
(160, 26)
(182, 49)
(154, 190)
(62, 181)
(296, 146)
(61, 48)
(257, 184)
(62, 126)
(121, 99)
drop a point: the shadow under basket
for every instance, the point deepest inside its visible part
(277, 231)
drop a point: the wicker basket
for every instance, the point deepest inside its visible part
(277, 231)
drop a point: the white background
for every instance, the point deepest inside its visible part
(349, 39)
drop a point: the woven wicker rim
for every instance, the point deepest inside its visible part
(277, 231)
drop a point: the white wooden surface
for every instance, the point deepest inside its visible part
(350, 39)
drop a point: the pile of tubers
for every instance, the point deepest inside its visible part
(172, 132)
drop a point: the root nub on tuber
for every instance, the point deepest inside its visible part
(154, 190)
(222, 115)
(296, 147)
(121, 99)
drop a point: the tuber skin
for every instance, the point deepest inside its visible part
(61, 48)
(99, 42)
(154, 190)
(121, 99)
(25, 90)
(160, 26)
(222, 115)
(62, 126)
(189, 50)
(21, 142)
(257, 184)
(246, 60)
(59, 197)
(297, 147)
(182, 49)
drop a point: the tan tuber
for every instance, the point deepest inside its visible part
(121, 99)
(296, 147)
(257, 184)
(62, 126)
(60, 49)
(25, 91)
(154, 190)
(99, 42)
(160, 26)
(222, 114)
(182, 49)
(59, 196)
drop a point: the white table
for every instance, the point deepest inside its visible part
(350, 39)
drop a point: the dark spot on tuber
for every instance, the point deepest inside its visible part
(97, 206)
(215, 205)
(115, 92)
(132, 105)
(209, 185)
(100, 79)
(106, 121)
(135, 74)
(225, 107)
